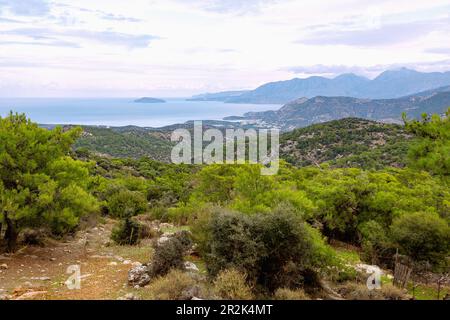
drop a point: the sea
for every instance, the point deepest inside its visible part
(123, 111)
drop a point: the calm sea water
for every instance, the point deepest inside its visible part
(122, 112)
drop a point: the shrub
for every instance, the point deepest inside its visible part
(34, 237)
(171, 286)
(170, 254)
(126, 233)
(125, 203)
(374, 240)
(288, 294)
(232, 285)
(159, 213)
(391, 292)
(273, 250)
(355, 291)
(422, 236)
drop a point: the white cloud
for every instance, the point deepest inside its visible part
(179, 47)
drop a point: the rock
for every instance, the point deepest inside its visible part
(136, 264)
(190, 266)
(112, 263)
(5, 297)
(162, 240)
(41, 278)
(31, 294)
(139, 275)
(52, 259)
(126, 262)
(195, 298)
(129, 296)
(190, 293)
(4, 266)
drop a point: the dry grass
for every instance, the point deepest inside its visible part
(288, 294)
(231, 285)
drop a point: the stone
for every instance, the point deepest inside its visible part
(190, 293)
(163, 239)
(190, 266)
(126, 262)
(112, 263)
(139, 275)
(41, 278)
(3, 266)
(31, 294)
(131, 296)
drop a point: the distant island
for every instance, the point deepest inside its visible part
(149, 100)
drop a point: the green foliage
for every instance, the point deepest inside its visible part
(127, 232)
(127, 142)
(125, 203)
(431, 149)
(170, 254)
(273, 249)
(422, 236)
(347, 142)
(39, 184)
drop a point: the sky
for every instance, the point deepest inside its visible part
(177, 48)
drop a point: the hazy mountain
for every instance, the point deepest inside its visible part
(219, 96)
(303, 112)
(388, 85)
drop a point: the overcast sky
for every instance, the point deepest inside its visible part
(166, 48)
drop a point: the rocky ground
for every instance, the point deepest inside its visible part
(36, 272)
(108, 271)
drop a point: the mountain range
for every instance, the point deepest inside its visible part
(303, 112)
(388, 85)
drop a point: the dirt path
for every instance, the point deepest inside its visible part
(40, 272)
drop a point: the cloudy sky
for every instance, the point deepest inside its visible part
(107, 48)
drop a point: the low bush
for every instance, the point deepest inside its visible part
(289, 294)
(127, 232)
(358, 291)
(170, 254)
(273, 250)
(172, 286)
(125, 203)
(232, 285)
(34, 237)
(422, 236)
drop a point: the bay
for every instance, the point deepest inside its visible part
(123, 111)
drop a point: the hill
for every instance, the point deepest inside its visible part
(303, 112)
(126, 142)
(149, 100)
(349, 142)
(389, 84)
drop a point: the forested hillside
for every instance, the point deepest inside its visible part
(126, 142)
(225, 231)
(348, 142)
